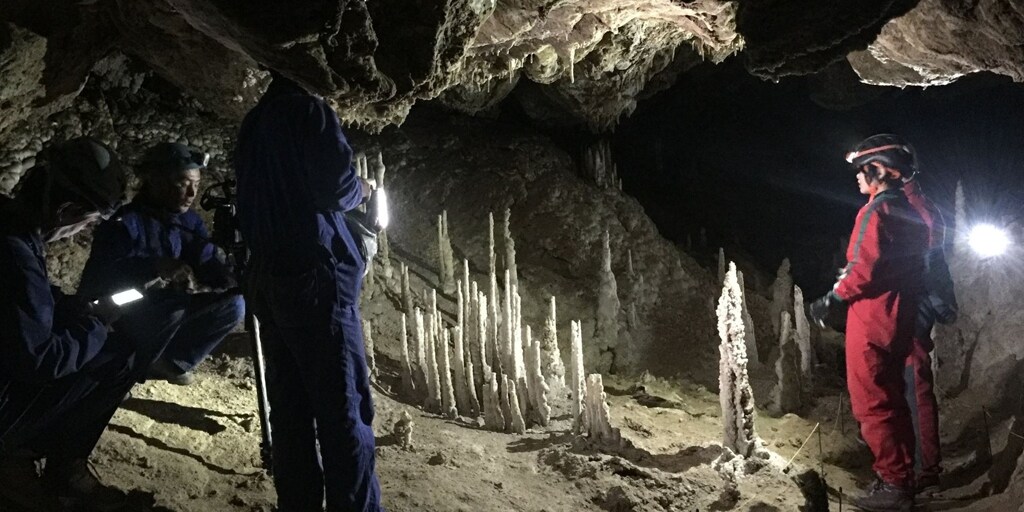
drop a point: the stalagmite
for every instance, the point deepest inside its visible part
(492, 298)
(802, 336)
(507, 362)
(468, 325)
(473, 340)
(405, 365)
(403, 431)
(371, 361)
(506, 407)
(407, 301)
(448, 407)
(518, 366)
(599, 426)
(384, 253)
(459, 372)
(445, 256)
(483, 335)
(510, 248)
(782, 295)
(516, 424)
(551, 357)
(606, 332)
(421, 375)
(735, 394)
(786, 394)
(749, 337)
(576, 376)
(540, 411)
(472, 396)
(494, 418)
(432, 402)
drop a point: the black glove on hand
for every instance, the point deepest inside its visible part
(825, 312)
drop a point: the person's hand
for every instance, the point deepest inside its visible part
(820, 310)
(175, 271)
(367, 188)
(106, 311)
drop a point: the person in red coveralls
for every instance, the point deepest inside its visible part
(880, 288)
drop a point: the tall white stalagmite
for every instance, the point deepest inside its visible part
(576, 376)
(472, 396)
(599, 426)
(606, 332)
(516, 424)
(540, 411)
(432, 402)
(507, 362)
(483, 337)
(786, 394)
(735, 394)
(468, 325)
(802, 336)
(782, 295)
(748, 324)
(510, 248)
(519, 368)
(446, 258)
(551, 357)
(493, 299)
(448, 407)
(420, 372)
(371, 361)
(459, 372)
(384, 253)
(474, 341)
(494, 417)
(405, 365)
(407, 301)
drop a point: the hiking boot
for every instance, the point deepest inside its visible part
(164, 370)
(21, 486)
(881, 496)
(928, 486)
(75, 484)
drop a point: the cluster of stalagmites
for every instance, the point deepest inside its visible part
(487, 364)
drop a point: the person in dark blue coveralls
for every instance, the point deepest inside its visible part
(61, 378)
(159, 235)
(295, 181)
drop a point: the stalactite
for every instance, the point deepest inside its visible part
(753, 358)
(802, 335)
(551, 364)
(448, 407)
(576, 376)
(735, 394)
(606, 332)
(405, 365)
(371, 361)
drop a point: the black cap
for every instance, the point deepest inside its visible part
(170, 157)
(88, 168)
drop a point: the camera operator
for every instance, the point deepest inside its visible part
(61, 379)
(160, 235)
(295, 181)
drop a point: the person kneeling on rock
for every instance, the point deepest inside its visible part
(159, 238)
(61, 376)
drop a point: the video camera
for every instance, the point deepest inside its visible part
(219, 198)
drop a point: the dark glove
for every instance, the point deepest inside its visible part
(828, 311)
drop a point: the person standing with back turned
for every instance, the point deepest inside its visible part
(295, 181)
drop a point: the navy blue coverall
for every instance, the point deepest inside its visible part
(60, 378)
(181, 328)
(295, 180)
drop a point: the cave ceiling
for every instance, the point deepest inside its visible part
(565, 61)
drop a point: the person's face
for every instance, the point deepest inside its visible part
(177, 192)
(71, 219)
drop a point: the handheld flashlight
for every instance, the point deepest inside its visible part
(988, 241)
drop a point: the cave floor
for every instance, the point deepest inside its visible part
(195, 448)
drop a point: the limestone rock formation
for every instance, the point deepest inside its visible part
(576, 383)
(735, 393)
(748, 325)
(405, 364)
(371, 361)
(445, 256)
(599, 425)
(606, 332)
(787, 393)
(782, 295)
(802, 336)
(551, 358)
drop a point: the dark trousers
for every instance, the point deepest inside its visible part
(319, 391)
(63, 419)
(183, 329)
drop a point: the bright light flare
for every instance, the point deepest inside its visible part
(383, 213)
(122, 298)
(987, 240)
